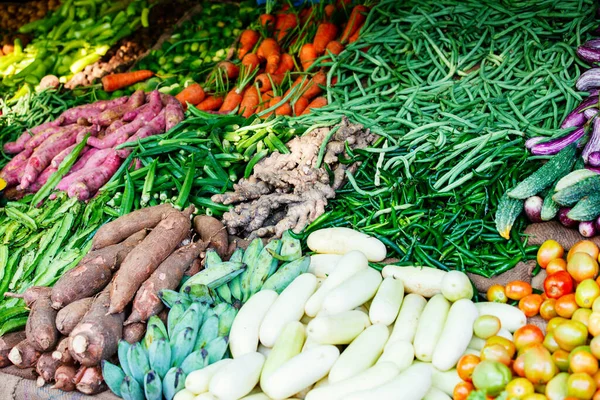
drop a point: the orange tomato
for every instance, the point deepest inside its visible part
(595, 347)
(508, 345)
(558, 264)
(535, 396)
(581, 386)
(570, 334)
(550, 343)
(466, 365)
(566, 305)
(495, 352)
(561, 359)
(497, 294)
(597, 394)
(549, 250)
(582, 266)
(516, 290)
(539, 366)
(548, 310)
(584, 246)
(526, 335)
(518, 365)
(594, 324)
(596, 377)
(582, 315)
(462, 390)
(581, 359)
(530, 304)
(518, 388)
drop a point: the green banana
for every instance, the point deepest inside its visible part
(122, 352)
(191, 318)
(250, 259)
(159, 356)
(183, 345)
(291, 248)
(152, 386)
(215, 276)
(170, 297)
(235, 283)
(208, 331)
(265, 265)
(113, 376)
(220, 308)
(226, 321)
(212, 258)
(238, 255)
(196, 360)
(200, 293)
(138, 362)
(174, 316)
(216, 349)
(155, 330)
(286, 274)
(131, 390)
(173, 382)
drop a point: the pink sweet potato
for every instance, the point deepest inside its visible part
(93, 272)
(62, 155)
(133, 333)
(212, 231)
(167, 276)
(154, 127)
(41, 137)
(13, 171)
(146, 257)
(92, 159)
(112, 114)
(125, 226)
(7, 342)
(42, 179)
(31, 294)
(41, 325)
(23, 355)
(68, 317)
(90, 110)
(97, 336)
(46, 369)
(91, 382)
(173, 115)
(64, 378)
(88, 184)
(62, 353)
(19, 145)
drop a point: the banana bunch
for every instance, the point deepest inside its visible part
(273, 266)
(196, 335)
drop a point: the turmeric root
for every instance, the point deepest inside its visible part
(41, 325)
(7, 342)
(23, 355)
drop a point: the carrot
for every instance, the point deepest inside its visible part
(285, 64)
(269, 49)
(251, 61)
(264, 81)
(284, 24)
(297, 82)
(357, 18)
(267, 21)
(308, 55)
(284, 109)
(231, 70)
(313, 88)
(264, 102)
(113, 82)
(355, 35)
(232, 100)
(211, 103)
(300, 105)
(316, 103)
(329, 10)
(248, 39)
(326, 32)
(192, 94)
(305, 14)
(249, 102)
(272, 102)
(334, 47)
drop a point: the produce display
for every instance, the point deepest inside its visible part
(13, 16)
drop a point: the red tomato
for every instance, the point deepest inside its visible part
(516, 290)
(558, 284)
(566, 305)
(462, 390)
(466, 365)
(527, 334)
(530, 304)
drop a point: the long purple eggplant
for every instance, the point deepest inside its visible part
(593, 145)
(555, 145)
(589, 80)
(594, 159)
(588, 55)
(577, 117)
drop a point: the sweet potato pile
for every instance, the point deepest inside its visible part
(40, 150)
(108, 296)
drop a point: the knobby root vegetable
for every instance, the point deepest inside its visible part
(125, 226)
(91, 382)
(146, 257)
(134, 332)
(31, 295)
(62, 353)
(64, 378)
(112, 114)
(7, 342)
(68, 317)
(167, 276)
(41, 325)
(213, 232)
(97, 336)
(46, 368)
(23, 355)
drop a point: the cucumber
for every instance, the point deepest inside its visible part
(587, 209)
(571, 195)
(548, 173)
(573, 177)
(506, 214)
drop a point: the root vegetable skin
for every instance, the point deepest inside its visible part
(91, 382)
(7, 342)
(173, 116)
(112, 114)
(19, 145)
(46, 368)
(212, 231)
(68, 318)
(23, 355)
(31, 295)
(41, 325)
(146, 257)
(62, 352)
(133, 333)
(64, 377)
(13, 171)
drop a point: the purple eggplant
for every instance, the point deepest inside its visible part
(555, 145)
(592, 44)
(595, 169)
(564, 220)
(576, 117)
(597, 224)
(533, 208)
(588, 54)
(590, 113)
(590, 79)
(594, 159)
(533, 141)
(587, 229)
(593, 144)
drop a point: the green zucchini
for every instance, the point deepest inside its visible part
(555, 168)
(506, 214)
(586, 209)
(572, 194)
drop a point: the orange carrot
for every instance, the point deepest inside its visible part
(251, 61)
(329, 10)
(269, 49)
(355, 35)
(284, 24)
(313, 89)
(231, 70)
(334, 47)
(357, 18)
(264, 102)
(300, 105)
(267, 21)
(272, 102)
(249, 102)
(285, 64)
(316, 103)
(211, 103)
(326, 32)
(193, 94)
(305, 14)
(284, 109)
(264, 81)
(113, 82)
(308, 55)
(232, 100)
(298, 81)
(248, 39)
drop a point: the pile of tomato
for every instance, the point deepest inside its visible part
(530, 365)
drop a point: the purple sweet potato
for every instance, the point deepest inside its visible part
(42, 179)
(90, 110)
(13, 171)
(46, 368)
(93, 159)
(41, 325)
(7, 342)
(68, 317)
(64, 378)
(62, 155)
(133, 333)
(19, 145)
(93, 272)
(91, 382)
(173, 115)
(212, 231)
(89, 183)
(62, 353)
(154, 127)
(125, 226)
(167, 276)
(31, 294)
(97, 336)
(41, 137)
(23, 355)
(112, 114)
(146, 257)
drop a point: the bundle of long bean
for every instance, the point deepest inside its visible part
(453, 88)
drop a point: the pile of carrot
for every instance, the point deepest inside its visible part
(274, 73)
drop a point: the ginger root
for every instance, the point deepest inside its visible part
(288, 191)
